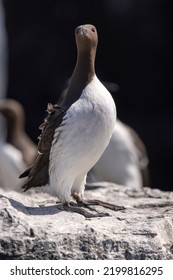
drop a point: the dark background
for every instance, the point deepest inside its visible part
(135, 51)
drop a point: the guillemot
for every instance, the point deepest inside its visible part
(11, 165)
(17, 150)
(75, 134)
(14, 115)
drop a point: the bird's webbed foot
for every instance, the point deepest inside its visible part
(104, 204)
(77, 208)
(81, 203)
(94, 202)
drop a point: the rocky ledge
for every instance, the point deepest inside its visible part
(32, 227)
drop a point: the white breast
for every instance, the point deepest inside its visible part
(85, 133)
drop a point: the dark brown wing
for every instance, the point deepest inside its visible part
(51, 122)
(38, 173)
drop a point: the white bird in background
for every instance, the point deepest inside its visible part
(124, 161)
(18, 151)
(11, 165)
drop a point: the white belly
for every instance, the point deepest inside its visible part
(80, 141)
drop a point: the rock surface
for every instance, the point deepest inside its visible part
(31, 226)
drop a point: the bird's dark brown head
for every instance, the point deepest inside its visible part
(12, 111)
(86, 37)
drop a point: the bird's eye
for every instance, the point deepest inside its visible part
(93, 29)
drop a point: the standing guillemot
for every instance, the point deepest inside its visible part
(75, 135)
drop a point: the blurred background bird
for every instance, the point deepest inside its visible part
(125, 160)
(17, 150)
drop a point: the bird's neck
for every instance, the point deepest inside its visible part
(82, 75)
(15, 128)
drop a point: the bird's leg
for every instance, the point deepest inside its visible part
(88, 203)
(103, 204)
(80, 202)
(72, 207)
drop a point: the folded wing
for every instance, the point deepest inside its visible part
(38, 174)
